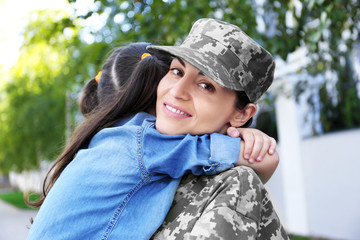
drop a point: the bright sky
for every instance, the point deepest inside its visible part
(13, 18)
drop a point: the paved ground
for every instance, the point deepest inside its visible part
(14, 223)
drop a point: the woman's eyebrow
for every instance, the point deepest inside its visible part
(183, 63)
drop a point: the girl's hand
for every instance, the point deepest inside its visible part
(257, 143)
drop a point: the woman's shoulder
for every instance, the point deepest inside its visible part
(247, 173)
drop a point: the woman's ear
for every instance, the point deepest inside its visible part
(241, 117)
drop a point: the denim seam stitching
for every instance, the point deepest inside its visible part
(140, 153)
(120, 209)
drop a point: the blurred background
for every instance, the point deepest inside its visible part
(49, 49)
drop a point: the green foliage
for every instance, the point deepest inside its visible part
(17, 199)
(39, 92)
(331, 30)
(34, 115)
(296, 237)
(342, 111)
(166, 22)
(33, 111)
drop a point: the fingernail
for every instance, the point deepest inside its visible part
(252, 160)
(247, 156)
(271, 151)
(259, 158)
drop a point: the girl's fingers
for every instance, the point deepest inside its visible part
(256, 143)
(249, 144)
(272, 148)
(258, 146)
(264, 149)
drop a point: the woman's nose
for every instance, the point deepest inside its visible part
(181, 89)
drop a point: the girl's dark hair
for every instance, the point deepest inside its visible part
(127, 86)
(118, 77)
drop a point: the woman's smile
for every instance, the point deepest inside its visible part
(175, 111)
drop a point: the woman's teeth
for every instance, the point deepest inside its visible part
(174, 110)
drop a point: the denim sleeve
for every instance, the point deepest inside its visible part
(224, 152)
(178, 155)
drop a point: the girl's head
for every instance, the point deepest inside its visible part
(217, 75)
(130, 74)
(127, 85)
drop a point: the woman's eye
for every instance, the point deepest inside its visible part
(207, 87)
(176, 71)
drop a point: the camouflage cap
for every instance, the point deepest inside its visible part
(227, 55)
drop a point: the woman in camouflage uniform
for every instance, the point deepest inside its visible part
(233, 204)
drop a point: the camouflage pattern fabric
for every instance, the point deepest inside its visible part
(227, 55)
(230, 205)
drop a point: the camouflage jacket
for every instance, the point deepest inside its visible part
(230, 205)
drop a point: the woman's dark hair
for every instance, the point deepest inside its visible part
(127, 85)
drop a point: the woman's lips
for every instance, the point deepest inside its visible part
(175, 111)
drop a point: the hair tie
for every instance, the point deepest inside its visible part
(98, 77)
(145, 55)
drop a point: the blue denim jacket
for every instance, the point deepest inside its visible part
(123, 184)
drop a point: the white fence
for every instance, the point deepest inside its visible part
(330, 171)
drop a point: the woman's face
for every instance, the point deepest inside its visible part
(190, 102)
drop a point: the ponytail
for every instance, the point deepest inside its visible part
(89, 98)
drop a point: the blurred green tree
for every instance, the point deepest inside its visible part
(342, 110)
(33, 109)
(62, 51)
